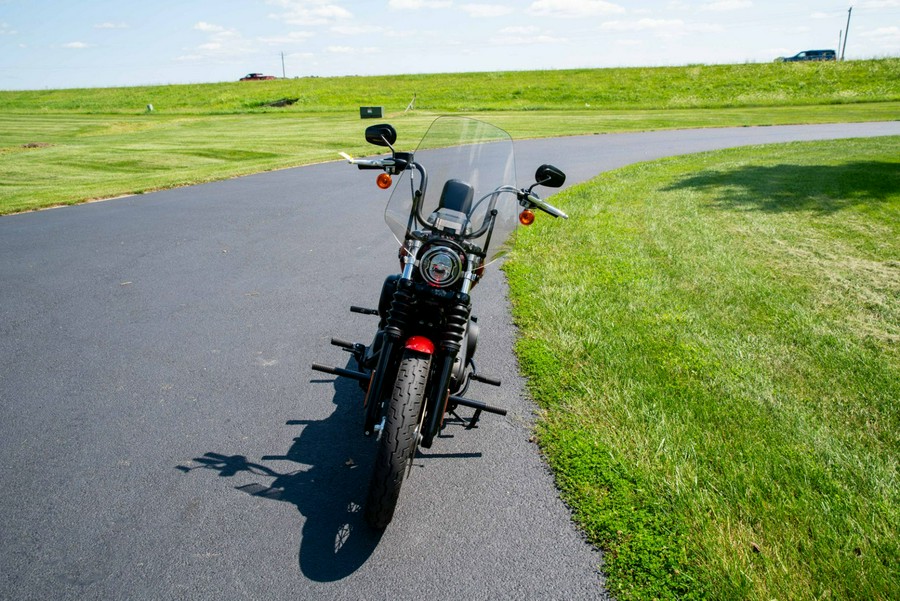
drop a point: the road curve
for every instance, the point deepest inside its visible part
(163, 437)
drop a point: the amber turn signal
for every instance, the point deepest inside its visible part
(384, 181)
(526, 217)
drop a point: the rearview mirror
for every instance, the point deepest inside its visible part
(550, 176)
(381, 135)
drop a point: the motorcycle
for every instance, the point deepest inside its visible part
(450, 222)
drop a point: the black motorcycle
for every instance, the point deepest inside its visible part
(450, 221)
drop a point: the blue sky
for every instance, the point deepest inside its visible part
(90, 43)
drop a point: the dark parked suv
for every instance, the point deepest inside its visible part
(810, 55)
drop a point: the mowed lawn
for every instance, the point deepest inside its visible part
(68, 146)
(714, 342)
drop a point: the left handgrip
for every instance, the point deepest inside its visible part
(545, 206)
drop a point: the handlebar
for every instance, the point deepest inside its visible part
(389, 163)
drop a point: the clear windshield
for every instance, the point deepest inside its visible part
(474, 153)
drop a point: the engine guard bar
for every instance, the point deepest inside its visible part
(340, 371)
(476, 405)
(356, 375)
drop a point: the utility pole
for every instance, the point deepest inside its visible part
(282, 66)
(840, 37)
(846, 33)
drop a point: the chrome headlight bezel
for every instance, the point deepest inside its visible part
(441, 265)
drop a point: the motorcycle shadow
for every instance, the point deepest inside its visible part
(328, 489)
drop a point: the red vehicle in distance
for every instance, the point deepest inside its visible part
(256, 77)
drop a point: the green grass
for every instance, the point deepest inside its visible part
(714, 342)
(68, 146)
(48, 160)
(699, 86)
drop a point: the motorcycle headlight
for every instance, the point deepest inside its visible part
(440, 266)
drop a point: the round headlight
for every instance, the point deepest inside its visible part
(440, 266)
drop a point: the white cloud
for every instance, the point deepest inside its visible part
(527, 30)
(882, 32)
(221, 44)
(351, 50)
(418, 4)
(309, 12)
(642, 25)
(78, 45)
(406, 34)
(5, 29)
(294, 37)
(480, 11)
(573, 8)
(663, 28)
(887, 38)
(352, 30)
(726, 5)
(329, 12)
(208, 27)
(108, 25)
(520, 35)
(704, 28)
(867, 4)
(521, 41)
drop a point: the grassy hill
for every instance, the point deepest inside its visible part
(714, 86)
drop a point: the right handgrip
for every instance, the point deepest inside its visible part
(364, 163)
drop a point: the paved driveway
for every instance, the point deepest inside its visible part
(162, 435)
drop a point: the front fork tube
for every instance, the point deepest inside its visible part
(470, 276)
(392, 333)
(437, 397)
(457, 322)
(408, 260)
(375, 395)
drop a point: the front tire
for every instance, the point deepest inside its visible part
(398, 439)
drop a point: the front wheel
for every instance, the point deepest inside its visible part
(398, 439)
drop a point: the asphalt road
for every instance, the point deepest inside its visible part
(162, 435)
